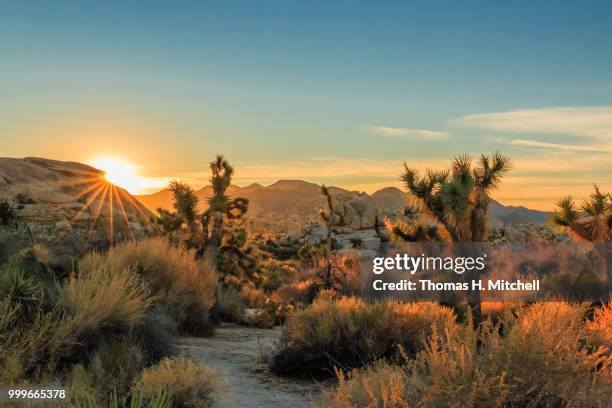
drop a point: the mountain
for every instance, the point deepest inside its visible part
(66, 207)
(289, 205)
(513, 215)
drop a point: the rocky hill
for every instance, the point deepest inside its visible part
(66, 207)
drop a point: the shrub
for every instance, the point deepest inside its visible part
(230, 304)
(114, 366)
(349, 333)
(380, 385)
(600, 328)
(156, 333)
(179, 282)
(6, 213)
(537, 357)
(91, 307)
(104, 299)
(187, 383)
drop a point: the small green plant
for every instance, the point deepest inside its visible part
(21, 291)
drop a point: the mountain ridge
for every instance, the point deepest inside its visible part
(295, 203)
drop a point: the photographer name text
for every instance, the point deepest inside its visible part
(428, 285)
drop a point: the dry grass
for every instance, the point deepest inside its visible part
(600, 327)
(187, 383)
(379, 385)
(184, 286)
(104, 299)
(538, 357)
(349, 332)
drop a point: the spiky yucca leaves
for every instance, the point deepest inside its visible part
(168, 221)
(19, 290)
(590, 222)
(185, 203)
(206, 227)
(458, 198)
(220, 204)
(417, 231)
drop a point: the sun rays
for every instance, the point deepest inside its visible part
(105, 207)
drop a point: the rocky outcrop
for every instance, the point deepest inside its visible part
(356, 213)
(67, 207)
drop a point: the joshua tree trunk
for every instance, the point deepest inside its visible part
(216, 236)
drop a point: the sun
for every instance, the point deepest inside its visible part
(125, 175)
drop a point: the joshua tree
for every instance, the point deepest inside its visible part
(220, 206)
(457, 199)
(591, 222)
(205, 237)
(186, 204)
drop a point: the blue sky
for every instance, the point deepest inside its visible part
(314, 91)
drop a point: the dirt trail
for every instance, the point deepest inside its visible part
(239, 354)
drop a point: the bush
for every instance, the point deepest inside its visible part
(6, 213)
(349, 333)
(538, 357)
(103, 299)
(380, 385)
(185, 286)
(187, 383)
(600, 328)
(156, 333)
(230, 304)
(114, 366)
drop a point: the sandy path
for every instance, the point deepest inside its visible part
(239, 354)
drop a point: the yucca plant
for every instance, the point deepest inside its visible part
(457, 200)
(590, 222)
(20, 290)
(207, 227)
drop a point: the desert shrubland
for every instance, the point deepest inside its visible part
(348, 332)
(540, 356)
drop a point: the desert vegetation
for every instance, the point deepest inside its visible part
(106, 329)
(525, 359)
(95, 331)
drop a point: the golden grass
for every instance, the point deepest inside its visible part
(187, 383)
(179, 282)
(539, 357)
(104, 299)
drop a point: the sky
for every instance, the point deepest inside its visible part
(332, 92)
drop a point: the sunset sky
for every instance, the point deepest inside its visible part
(334, 92)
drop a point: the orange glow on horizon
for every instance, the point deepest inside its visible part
(125, 175)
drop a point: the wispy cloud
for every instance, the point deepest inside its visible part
(393, 132)
(594, 122)
(559, 146)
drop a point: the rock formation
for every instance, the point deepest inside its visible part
(67, 207)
